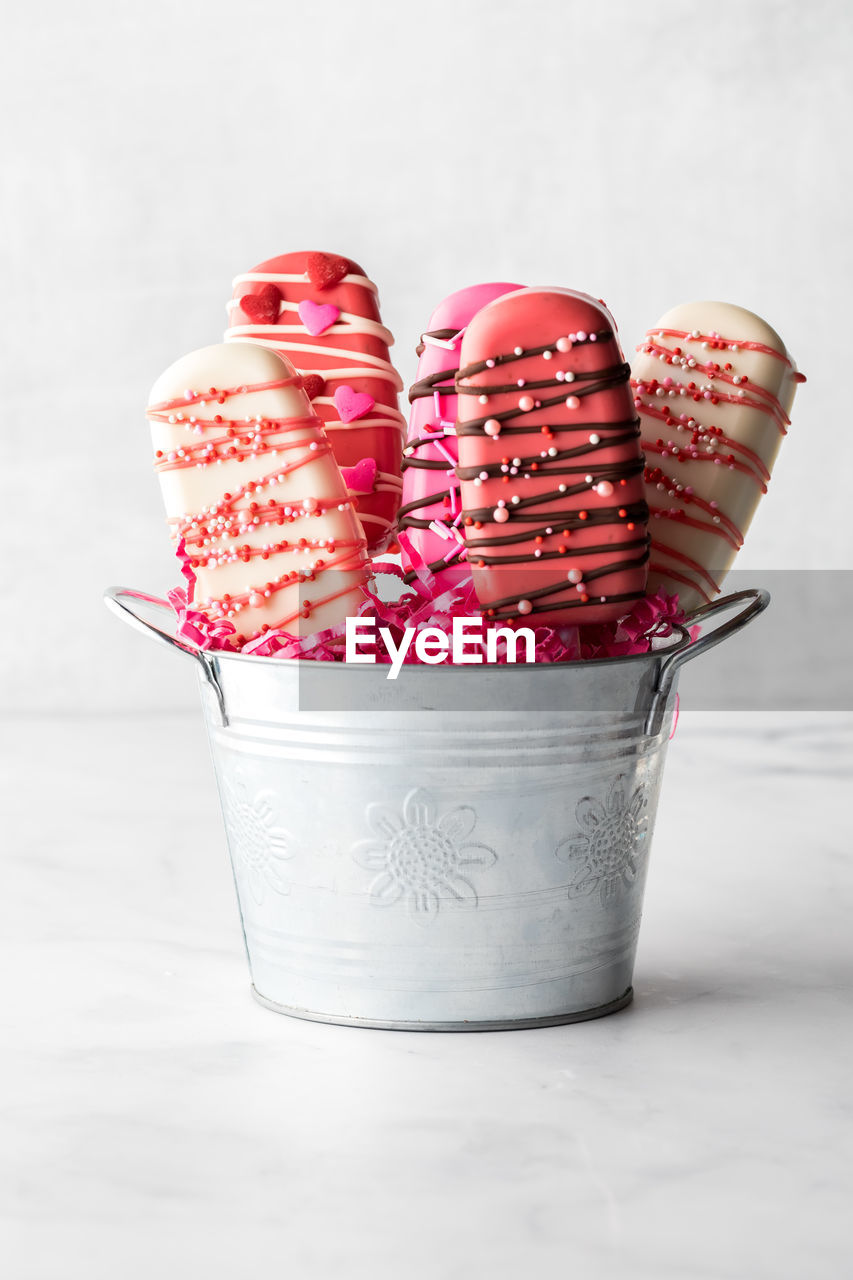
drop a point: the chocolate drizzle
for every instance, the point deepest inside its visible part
(549, 461)
(420, 390)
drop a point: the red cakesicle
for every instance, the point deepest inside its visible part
(550, 463)
(321, 312)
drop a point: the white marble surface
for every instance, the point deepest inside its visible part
(156, 1121)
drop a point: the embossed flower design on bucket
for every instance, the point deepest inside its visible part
(421, 858)
(608, 850)
(258, 844)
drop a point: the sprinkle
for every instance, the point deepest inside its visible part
(604, 489)
(492, 427)
(564, 344)
(569, 376)
(526, 403)
(500, 515)
(448, 343)
(524, 606)
(518, 351)
(575, 575)
(572, 402)
(546, 355)
(482, 399)
(594, 439)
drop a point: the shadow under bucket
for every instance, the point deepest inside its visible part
(462, 848)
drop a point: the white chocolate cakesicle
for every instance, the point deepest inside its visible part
(713, 385)
(251, 486)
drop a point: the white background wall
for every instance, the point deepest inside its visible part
(646, 152)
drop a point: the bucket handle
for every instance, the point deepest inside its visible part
(119, 600)
(757, 600)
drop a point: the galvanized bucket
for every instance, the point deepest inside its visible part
(464, 848)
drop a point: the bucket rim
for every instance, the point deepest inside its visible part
(678, 640)
(681, 641)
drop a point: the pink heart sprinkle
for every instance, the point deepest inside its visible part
(352, 404)
(362, 477)
(317, 317)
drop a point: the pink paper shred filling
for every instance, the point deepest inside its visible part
(426, 604)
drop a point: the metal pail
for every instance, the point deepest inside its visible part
(462, 848)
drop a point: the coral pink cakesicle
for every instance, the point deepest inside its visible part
(321, 312)
(431, 513)
(254, 497)
(713, 385)
(550, 463)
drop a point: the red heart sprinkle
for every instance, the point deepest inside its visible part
(313, 385)
(325, 269)
(263, 306)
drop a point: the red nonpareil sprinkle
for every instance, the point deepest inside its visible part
(313, 385)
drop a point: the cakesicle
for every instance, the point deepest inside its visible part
(549, 461)
(713, 385)
(254, 494)
(431, 513)
(322, 312)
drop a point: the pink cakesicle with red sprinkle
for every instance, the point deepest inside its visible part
(321, 311)
(549, 461)
(431, 514)
(254, 494)
(713, 385)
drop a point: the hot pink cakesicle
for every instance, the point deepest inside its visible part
(431, 513)
(550, 462)
(253, 494)
(713, 385)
